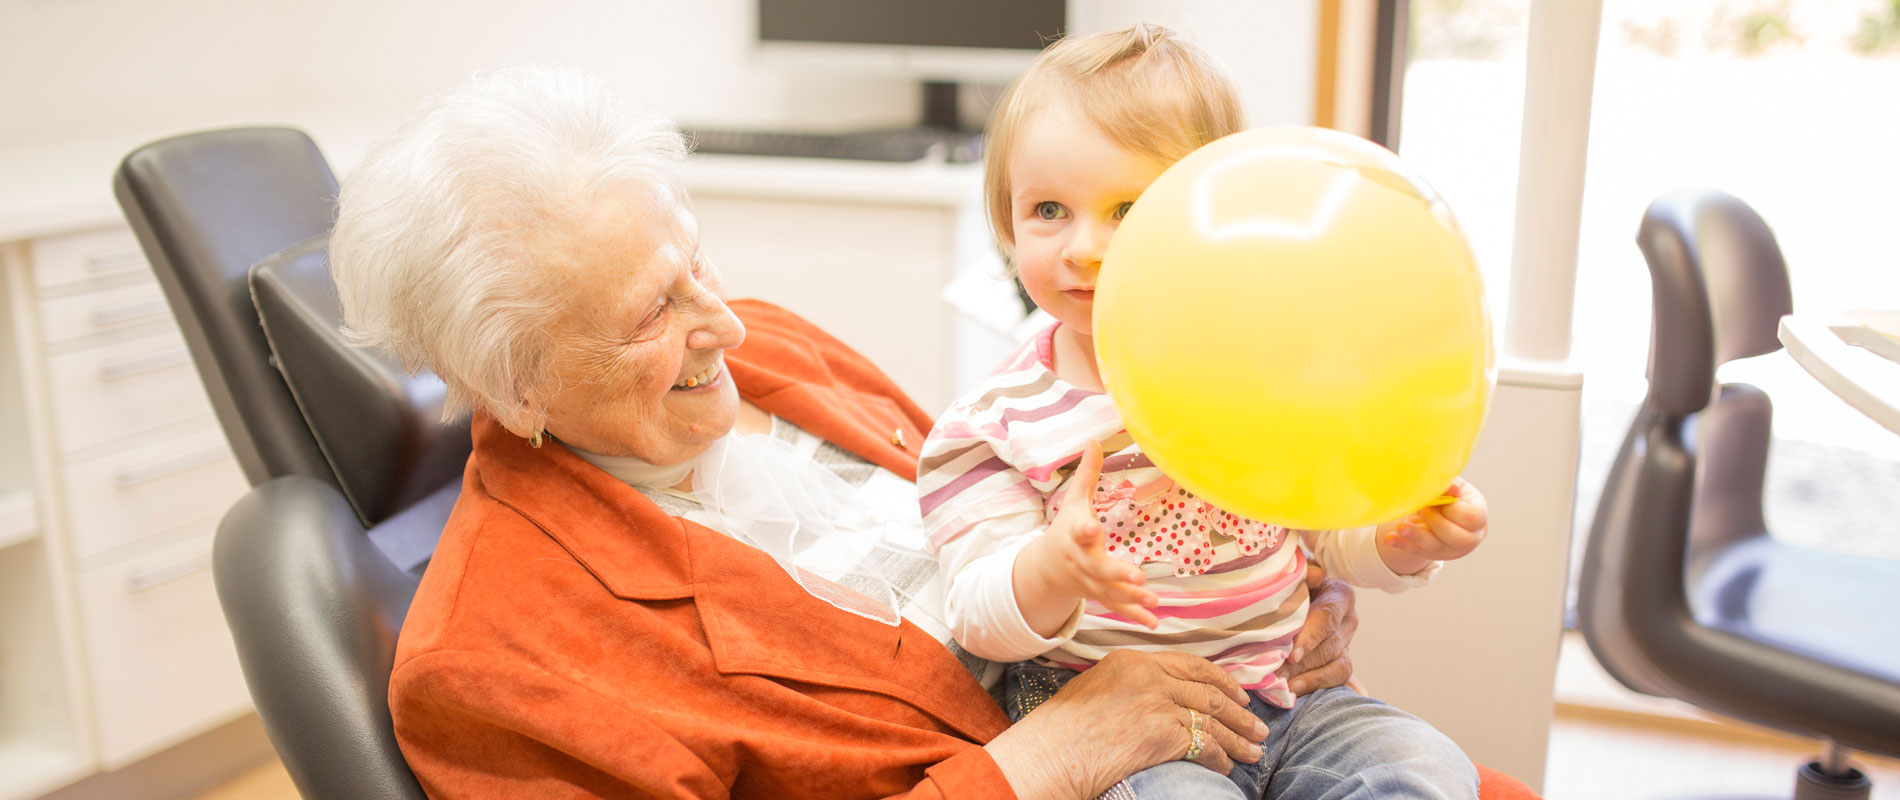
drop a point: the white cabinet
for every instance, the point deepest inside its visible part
(43, 739)
(108, 392)
(112, 645)
(63, 319)
(161, 661)
(117, 499)
(78, 258)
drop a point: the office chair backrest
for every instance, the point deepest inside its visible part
(1720, 288)
(205, 207)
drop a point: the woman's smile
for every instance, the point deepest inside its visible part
(705, 379)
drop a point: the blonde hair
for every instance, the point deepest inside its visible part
(1146, 88)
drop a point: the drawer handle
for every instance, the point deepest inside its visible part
(167, 572)
(140, 364)
(120, 313)
(128, 477)
(113, 262)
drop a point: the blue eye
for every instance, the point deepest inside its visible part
(1049, 210)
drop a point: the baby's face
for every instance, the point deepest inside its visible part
(1070, 185)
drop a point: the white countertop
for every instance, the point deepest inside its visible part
(1851, 356)
(53, 184)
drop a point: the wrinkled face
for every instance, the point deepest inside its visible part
(637, 366)
(1069, 187)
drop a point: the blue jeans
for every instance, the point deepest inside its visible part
(1331, 745)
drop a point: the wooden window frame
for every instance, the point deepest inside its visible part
(1360, 70)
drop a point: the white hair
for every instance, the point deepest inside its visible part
(427, 253)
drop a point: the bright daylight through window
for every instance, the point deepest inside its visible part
(1787, 104)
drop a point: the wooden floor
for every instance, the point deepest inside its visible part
(1593, 756)
(1613, 757)
(267, 781)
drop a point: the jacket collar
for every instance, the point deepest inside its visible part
(794, 370)
(757, 619)
(633, 547)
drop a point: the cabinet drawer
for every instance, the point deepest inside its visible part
(60, 260)
(69, 318)
(126, 496)
(162, 664)
(106, 393)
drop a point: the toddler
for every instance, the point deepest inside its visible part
(1057, 554)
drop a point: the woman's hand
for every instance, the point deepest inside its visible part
(1437, 533)
(1319, 659)
(1068, 562)
(1125, 714)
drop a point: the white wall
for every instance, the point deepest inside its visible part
(1269, 45)
(689, 60)
(75, 66)
(71, 66)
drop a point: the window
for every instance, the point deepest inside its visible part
(1787, 104)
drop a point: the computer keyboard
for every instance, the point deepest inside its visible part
(903, 144)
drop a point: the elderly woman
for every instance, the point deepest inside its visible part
(684, 562)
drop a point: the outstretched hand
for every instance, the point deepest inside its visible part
(1069, 561)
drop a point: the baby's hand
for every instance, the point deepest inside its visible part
(1438, 533)
(1070, 561)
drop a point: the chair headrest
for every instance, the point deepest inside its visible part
(1720, 290)
(379, 427)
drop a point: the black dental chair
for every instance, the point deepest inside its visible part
(353, 472)
(1683, 593)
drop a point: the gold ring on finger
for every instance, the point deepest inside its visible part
(1195, 741)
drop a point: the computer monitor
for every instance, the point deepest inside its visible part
(940, 43)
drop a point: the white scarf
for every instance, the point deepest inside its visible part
(760, 490)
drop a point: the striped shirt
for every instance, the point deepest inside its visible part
(991, 472)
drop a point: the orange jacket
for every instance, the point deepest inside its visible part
(572, 640)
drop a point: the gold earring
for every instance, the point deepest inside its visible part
(535, 440)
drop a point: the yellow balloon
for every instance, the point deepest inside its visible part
(1293, 327)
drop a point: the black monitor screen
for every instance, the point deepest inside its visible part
(1013, 24)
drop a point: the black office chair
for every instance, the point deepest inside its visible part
(1683, 592)
(353, 472)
